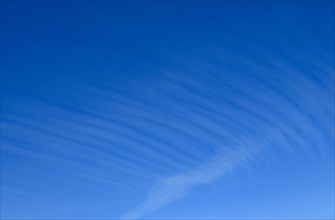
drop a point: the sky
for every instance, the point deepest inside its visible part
(167, 109)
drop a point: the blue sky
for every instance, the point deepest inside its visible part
(167, 110)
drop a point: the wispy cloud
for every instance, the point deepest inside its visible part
(168, 189)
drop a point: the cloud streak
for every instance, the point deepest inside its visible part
(168, 189)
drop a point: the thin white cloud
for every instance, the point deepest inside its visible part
(171, 188)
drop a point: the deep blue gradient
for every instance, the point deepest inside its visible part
(167, 110)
